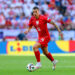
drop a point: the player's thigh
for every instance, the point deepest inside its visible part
(36, 46)
(45, 50)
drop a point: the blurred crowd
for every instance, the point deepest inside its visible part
(15, 14)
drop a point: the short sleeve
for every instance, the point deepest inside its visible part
(30, 22)
(47, 20)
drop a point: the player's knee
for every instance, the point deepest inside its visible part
(34, 48)
(45, 53)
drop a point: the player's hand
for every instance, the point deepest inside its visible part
(26, 32)
(61, 34)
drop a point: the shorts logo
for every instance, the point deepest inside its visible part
(42, 39)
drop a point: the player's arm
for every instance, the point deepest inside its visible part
(60, 33)
(47, 20)
(29, 28)
(55, 26)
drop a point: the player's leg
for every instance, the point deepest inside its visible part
(49, 56)
(37, 54)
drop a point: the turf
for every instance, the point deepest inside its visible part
(16, 65)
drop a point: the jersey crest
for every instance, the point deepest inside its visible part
(37, 22)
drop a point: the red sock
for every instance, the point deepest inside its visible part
(50, 57)
(37, 55)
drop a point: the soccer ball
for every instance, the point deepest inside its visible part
(30, 67)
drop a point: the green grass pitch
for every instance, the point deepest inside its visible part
(16, 65)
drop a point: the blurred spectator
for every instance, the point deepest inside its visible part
(4, 40)
(26, 22)
(31, 5)
(71, 38)
(68, 23)
(2, 20)
(1, 36)
(52, 37)
(57, 2)
(21, 36)
(44, 6)
(60, 37)
(57, 10)
(14, 22)
(8, 24)
(73, 22)
(20, 22)
(11, 12)
(36, 2)
(63, 6)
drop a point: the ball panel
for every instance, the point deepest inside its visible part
(30, 67)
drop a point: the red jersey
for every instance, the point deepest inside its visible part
(40, 25)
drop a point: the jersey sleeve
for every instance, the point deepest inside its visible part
(30, 23)
(47, 20)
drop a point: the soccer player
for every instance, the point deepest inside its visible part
(40, 24)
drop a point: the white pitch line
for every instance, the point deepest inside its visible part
(66, 66)
(59, 66)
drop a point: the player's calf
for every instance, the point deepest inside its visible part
(36, 52)
(50, 57)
